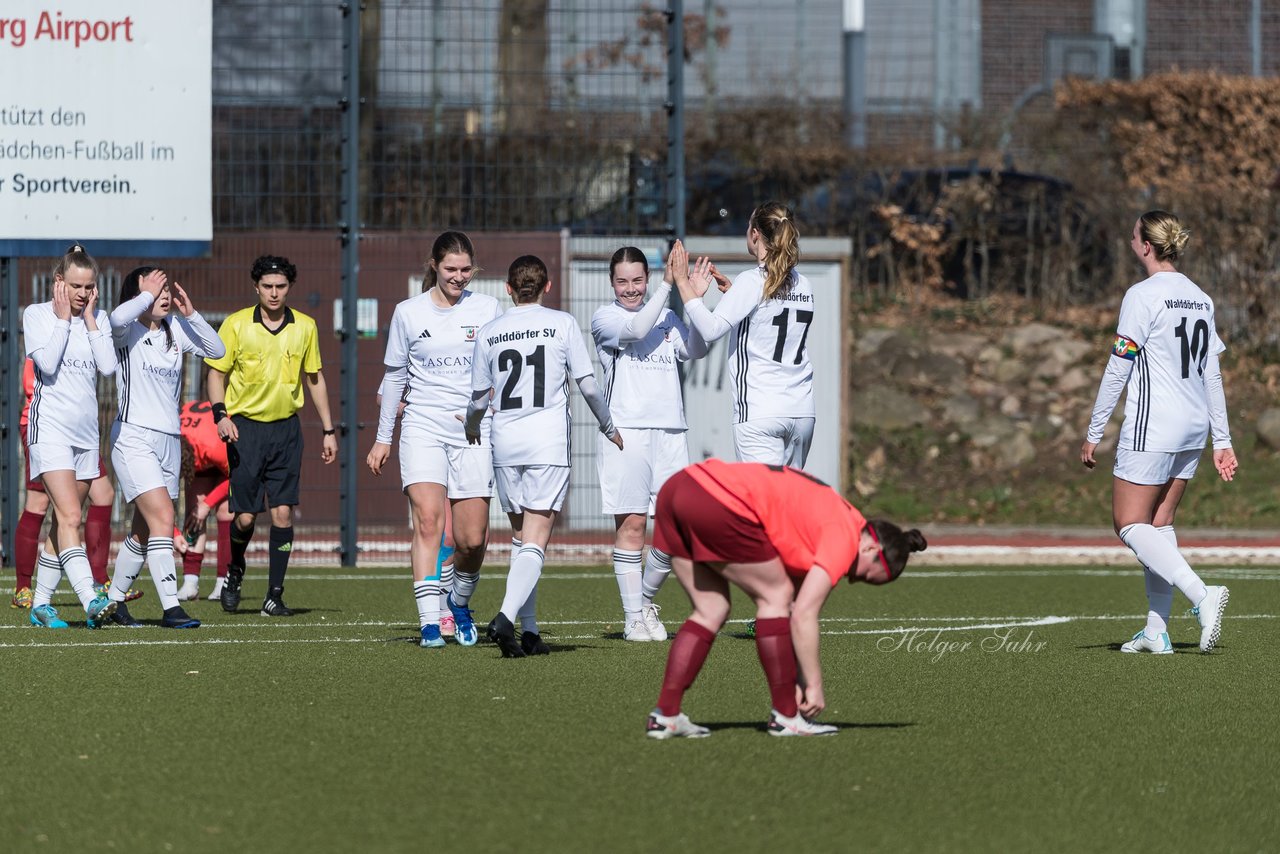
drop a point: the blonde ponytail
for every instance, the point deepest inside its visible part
(777, 227)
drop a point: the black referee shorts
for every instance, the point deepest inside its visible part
(265, 464)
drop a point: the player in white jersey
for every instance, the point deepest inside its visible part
(640, 344)
(428, 359)
(524, 361)
(146, 438)
(1166, 351)
(67, 341)
(767, 312)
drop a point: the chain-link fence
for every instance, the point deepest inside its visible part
(525, 122)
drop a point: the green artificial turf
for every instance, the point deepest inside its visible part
(333, 731)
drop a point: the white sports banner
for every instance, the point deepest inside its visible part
(105, 121)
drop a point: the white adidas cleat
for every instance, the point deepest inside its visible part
(216, 594)
(637, 631)
(190, 589)
(649, 613)
(783, 726)
(1141, 643)
(676, 726)
(1209, 613)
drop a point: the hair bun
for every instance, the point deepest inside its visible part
(75, 247)
(915, 540)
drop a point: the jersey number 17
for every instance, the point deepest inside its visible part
(782, 321)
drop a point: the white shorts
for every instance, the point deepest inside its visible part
(464, 471)
(1156, 468)
(145, 460)
(630, 478)
(51, 456)
(522, 488)
(774, 441)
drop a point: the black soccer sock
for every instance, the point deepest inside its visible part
(239, 543)
(281, 548)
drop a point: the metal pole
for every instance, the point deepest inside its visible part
(855, 74)
(675, 121)
(350, 236)
(1255, 36)
(12, 396)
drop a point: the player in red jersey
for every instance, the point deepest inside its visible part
(785, 538)
(205, 473)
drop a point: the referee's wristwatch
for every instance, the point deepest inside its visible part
(332, 431)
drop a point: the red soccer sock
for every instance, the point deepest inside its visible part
(26, 542)
(97, 540)
(224, 547)
(191, 562)
(688, 652)
(778, 658)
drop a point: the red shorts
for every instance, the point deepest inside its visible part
(37, 485)
(690, 523)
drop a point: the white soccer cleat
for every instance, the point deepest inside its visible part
(636, 630)
(649, 613)
(676, 726)
(190, 589)
(1209, 613)
(217, 590)
(1141, 643)
(783, 726)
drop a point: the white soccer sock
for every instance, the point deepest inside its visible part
(427, 593)
(75, 564)
(1159, 592)
(464, 587)
(526, 568)
(446, 587)
(656, 570)
(128, 566)
(628, 570)
(529, 613)
(48, 575)
(1156, 553)
(163, 571)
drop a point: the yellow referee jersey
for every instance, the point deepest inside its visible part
(264, 369)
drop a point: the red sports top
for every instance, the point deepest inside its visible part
(200, 431)
(808, 522)
(29, 387)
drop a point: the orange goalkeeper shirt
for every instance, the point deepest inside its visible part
(808, 522)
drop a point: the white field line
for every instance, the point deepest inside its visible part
(192, 638)
(1259, 573)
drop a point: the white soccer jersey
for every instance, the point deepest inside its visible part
(641, 381)
(64, 405)
(528, 356)
(768, 345)
(437, 345)
(149, 379)
(1167, 327)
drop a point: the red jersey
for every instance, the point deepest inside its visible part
(29, 388)
(199, 430)
(806, 521)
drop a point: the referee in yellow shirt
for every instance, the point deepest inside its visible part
(256, 392)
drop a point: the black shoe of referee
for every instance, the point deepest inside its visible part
(230, 595)
(273, 605)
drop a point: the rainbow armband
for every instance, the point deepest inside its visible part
(1124, 348)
